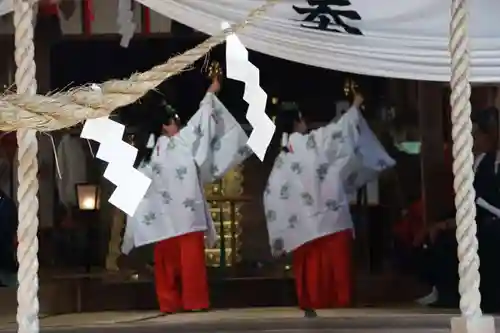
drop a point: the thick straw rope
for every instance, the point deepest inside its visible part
(46, 113)
(27, 250)
(463, 162)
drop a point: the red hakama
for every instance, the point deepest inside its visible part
(181, 274)
(322, 269)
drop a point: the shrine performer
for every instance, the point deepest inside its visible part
(306, 200)
(174, 213)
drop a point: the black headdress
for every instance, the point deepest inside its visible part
(151, 128)
(288, 114)
(167, 113)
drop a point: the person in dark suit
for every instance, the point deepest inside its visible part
(439, 245)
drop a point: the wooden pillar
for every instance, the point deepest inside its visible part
(435, 187)
(6, 61)
(6, 78)
(46, 159)
(42, 59)
(496, 96)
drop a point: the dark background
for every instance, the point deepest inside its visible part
(314, 89)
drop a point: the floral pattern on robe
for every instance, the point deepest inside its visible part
(203, 151)
(306, 196)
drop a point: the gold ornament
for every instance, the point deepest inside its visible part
(350, 87)
(215, 70)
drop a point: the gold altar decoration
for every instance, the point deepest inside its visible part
(222, 197)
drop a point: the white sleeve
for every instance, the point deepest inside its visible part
(216, 139)
(487, 206)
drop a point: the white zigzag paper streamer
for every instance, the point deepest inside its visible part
(131, 184)
(239, 68)
(126, 25)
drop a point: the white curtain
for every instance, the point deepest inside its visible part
(5, 7)
(400, 38)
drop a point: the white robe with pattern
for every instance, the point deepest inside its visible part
(210, 145)
(307, 191)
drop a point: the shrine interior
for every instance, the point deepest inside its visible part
(242, 263)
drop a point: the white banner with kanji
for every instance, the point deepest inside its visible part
(390, 38)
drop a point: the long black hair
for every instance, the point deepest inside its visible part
(287, 117)
(151, 126)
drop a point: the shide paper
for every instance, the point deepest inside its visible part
(125, 22)
(131, 185)
(239, 68)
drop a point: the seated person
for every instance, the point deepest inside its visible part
(428, 254)
(438, 241)
(411, 235)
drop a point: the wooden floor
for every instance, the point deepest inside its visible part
(96, 293)
(250, 319)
